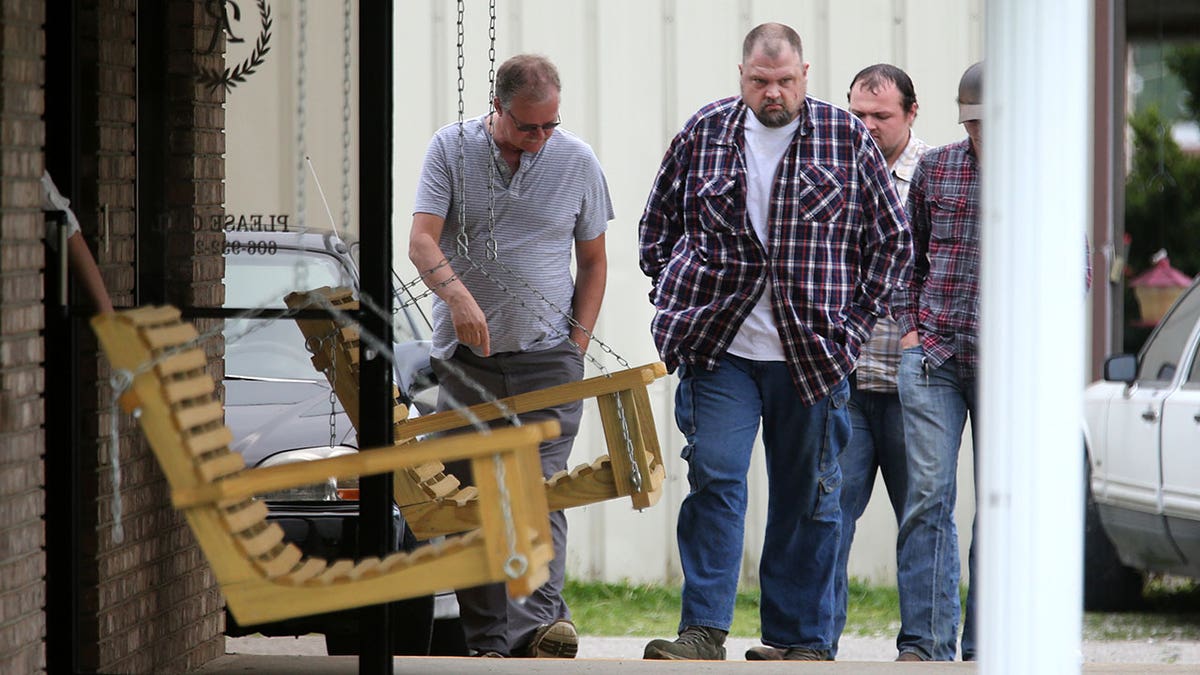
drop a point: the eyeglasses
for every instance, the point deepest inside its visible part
(530, 128)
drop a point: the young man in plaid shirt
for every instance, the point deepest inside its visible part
(884, 98)
(938, 314)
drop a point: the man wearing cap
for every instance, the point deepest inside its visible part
(938, 315)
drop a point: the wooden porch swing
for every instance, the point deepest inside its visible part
(262, 577)
(434, 502)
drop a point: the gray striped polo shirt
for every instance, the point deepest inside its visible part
(558, 195)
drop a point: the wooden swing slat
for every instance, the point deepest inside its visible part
(220, 466)
(246, 515)
(262, 541)
(182, 362)
(199, 415)
(308, 569)
(208, 441)
(282, 563)
(180, 390)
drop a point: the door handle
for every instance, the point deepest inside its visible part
(1150, 415)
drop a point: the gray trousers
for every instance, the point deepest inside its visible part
(491, 620)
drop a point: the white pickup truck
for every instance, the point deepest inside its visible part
(1143, 451)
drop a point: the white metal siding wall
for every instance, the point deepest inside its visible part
(633, 71)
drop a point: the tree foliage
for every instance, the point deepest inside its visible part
(1162, 202)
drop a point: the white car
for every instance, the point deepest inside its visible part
(1143, 450)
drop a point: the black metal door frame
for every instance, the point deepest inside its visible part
(375, 217)
(61, 461)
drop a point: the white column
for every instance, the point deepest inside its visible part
(1037, 91)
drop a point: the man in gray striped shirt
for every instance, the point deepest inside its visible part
(503, 201)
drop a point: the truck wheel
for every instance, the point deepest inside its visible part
(1108, 585)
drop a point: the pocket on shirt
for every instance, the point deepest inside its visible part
(718, 204)
(822, 195)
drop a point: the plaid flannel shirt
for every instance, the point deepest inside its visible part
(838, 243)
(941, 301)
(880, 357)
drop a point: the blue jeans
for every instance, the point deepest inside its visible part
(936, 405)
(718, 412)
(876, 444)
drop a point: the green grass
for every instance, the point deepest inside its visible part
(644, 610)
(1172, 611)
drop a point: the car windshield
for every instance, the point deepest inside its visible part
(264, 348)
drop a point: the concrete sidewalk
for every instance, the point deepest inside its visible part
(869, 656)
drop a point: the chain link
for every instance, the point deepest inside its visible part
(301, 112)
(516, 564)
(491, 248)
(635, 472)
(464, 242)
(121, 381)
(329, 346)
(347, 22)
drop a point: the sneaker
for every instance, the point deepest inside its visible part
(695, 643)
(766, 653)
(556, 640)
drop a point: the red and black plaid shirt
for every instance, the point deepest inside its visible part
(838, 241)
(941, 301)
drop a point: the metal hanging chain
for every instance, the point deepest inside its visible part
(471, 382)
(301, 110)
(347, 22)
(516, 564)
(121, 381)
(331, 373)
(463, 240)
(491, 249)
(300, 272)
(429, 289)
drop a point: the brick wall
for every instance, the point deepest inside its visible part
(156, 605)
(22, 563)
(148, 603)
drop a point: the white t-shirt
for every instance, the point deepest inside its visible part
(758, 337)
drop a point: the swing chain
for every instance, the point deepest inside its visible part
(464, 244)
(301, 113)
(635, 473)
(330, 341)
(347, 20)
(491, 247)
(516, 564)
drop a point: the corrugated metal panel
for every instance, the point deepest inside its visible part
(633, 71)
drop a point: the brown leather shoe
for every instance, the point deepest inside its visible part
(766, 653)
(909, 656)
